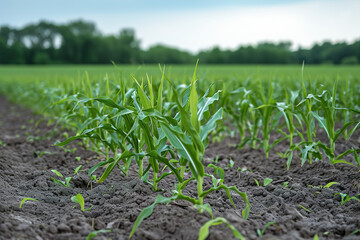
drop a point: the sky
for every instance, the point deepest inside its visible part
(195, 25)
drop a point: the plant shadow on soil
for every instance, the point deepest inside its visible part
(118, 201)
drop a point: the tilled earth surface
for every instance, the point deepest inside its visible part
(27, 156)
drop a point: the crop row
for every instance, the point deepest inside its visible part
(164, 127)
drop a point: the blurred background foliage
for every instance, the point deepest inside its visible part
(80, 42)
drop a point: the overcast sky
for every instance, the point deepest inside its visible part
(201, 24)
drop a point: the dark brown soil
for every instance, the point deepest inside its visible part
(117, 202)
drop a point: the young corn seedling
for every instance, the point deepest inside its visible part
(266, 106)
(326, 103)
(345, 197)
(66, 181)
(25, 200)
(325, 186)
(79, 199)
(262, 232)
(189, 137)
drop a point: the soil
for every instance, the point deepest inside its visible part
(27, 156)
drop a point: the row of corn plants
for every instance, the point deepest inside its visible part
(162, 138)
(163, 126)
(258, 111)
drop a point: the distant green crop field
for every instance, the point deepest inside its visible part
(180, 72)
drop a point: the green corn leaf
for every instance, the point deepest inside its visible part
(150, 90)
(76, 170)
(146, 212)
(146, 103)
(340, 131)
(304, 152)
(193, 101)
(67, 181)
(111, 166)
(185, 150)
(322, 123)
(288, 162)
(219, 171)
(100, 164)
(123, 112)
(57, 173)
(156, 114)
(356, 156)
(204, 104)
(108, 102)
(165, 161)
(210, 125)
(206, 207)
(190, 129)
(246, 211)
(330, 184)
(353, 130)
(342, 161)
(26, 199)
(204, 230)
(70, 139)
(349, 151)
(59, 182)
(80, 200)
(95, 233)
(267, 181)
(326, 149)
(159, 105)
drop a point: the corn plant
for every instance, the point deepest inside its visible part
(189, 137)
(326, 104)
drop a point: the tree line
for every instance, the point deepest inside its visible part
(80, 42)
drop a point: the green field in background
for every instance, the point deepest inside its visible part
(180, 72)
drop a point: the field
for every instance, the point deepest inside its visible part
(180, 152)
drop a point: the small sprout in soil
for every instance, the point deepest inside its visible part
(2, 144)
(267, 181)
(355, 232)
(316, 237)
(26, 199)
(92, 179)
(80, 200)
(77, 170)
(64, 183)
(219, 171)
(95, 233)
(304, 208)
(40, 154)
(23, 127)
(257, 182)
(284, 155)
(67, 149)
(262, 232)
(78, 159)
(244, 169)
(326, 186)
(285, 184)
(231, 163)
(345, 197)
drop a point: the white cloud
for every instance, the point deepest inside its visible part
(303, 23)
